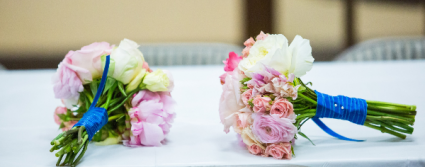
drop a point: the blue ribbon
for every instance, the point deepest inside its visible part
(339, 107)
(96, 117)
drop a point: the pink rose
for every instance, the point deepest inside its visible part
(261, 104)
(230, 101)
(86, 61)
(255, 149)
(279, 151)
(246, 96)
(262, 36)
(232, 62)
(269, 129)
(281, 108)
(67, 85)
(59, 110)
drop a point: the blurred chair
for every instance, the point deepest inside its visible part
(187, 53)
(2, 67)
(394, 48)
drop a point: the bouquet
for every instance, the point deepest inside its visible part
(266, 102)
(110, 96)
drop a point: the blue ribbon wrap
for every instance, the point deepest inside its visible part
(96, 117)
(339, 107)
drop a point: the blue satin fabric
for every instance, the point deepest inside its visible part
(96, 117)
(339, 107)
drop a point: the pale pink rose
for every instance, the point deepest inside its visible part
(243, 120)
(59, 110)
(232, 62)
(281, 108)
(255, 149)
(86, 61)
(68, 125)
(249, 42)
(230, 101)
(279, 150)
(245, 51)
(269, 129)
(67, 85)
(261, 104)
(246, 96)
(262, 36)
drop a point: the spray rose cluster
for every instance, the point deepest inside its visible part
(257, 89)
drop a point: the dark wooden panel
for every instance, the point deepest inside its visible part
(259, 17)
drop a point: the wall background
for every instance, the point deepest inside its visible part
(44, 30)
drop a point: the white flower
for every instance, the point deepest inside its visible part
(126, 61)
(157, 81)
(274, 52)
(261, 53)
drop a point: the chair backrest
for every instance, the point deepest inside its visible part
(394, 48)
(164, 54)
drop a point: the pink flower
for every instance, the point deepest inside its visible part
(243, 120)
(86, 61)
(230, 101)
(281, 108)
(261, 104)
(240, 140)
(223, 77)
(262, 36)
(248, 44)
(151, 118)
(146, 66)
(232, 62)
(67, 85)
(255, 149)
(279, 151)
(59, 110)
(269, 129)
(283, 86)
(246, 96)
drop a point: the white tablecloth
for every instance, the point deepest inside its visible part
(197, 138)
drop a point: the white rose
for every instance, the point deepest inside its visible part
(274, 52)
(126, 61)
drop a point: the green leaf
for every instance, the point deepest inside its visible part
(293, 152)
(93, 88)
(121, 88)
(303, 135)
(109, 83)
(61, 126)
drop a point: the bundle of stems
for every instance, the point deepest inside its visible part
(75, 140)
(391, 118)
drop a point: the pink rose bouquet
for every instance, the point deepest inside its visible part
(110, 96)
(266, 103)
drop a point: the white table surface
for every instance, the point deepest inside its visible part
(197, 138)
